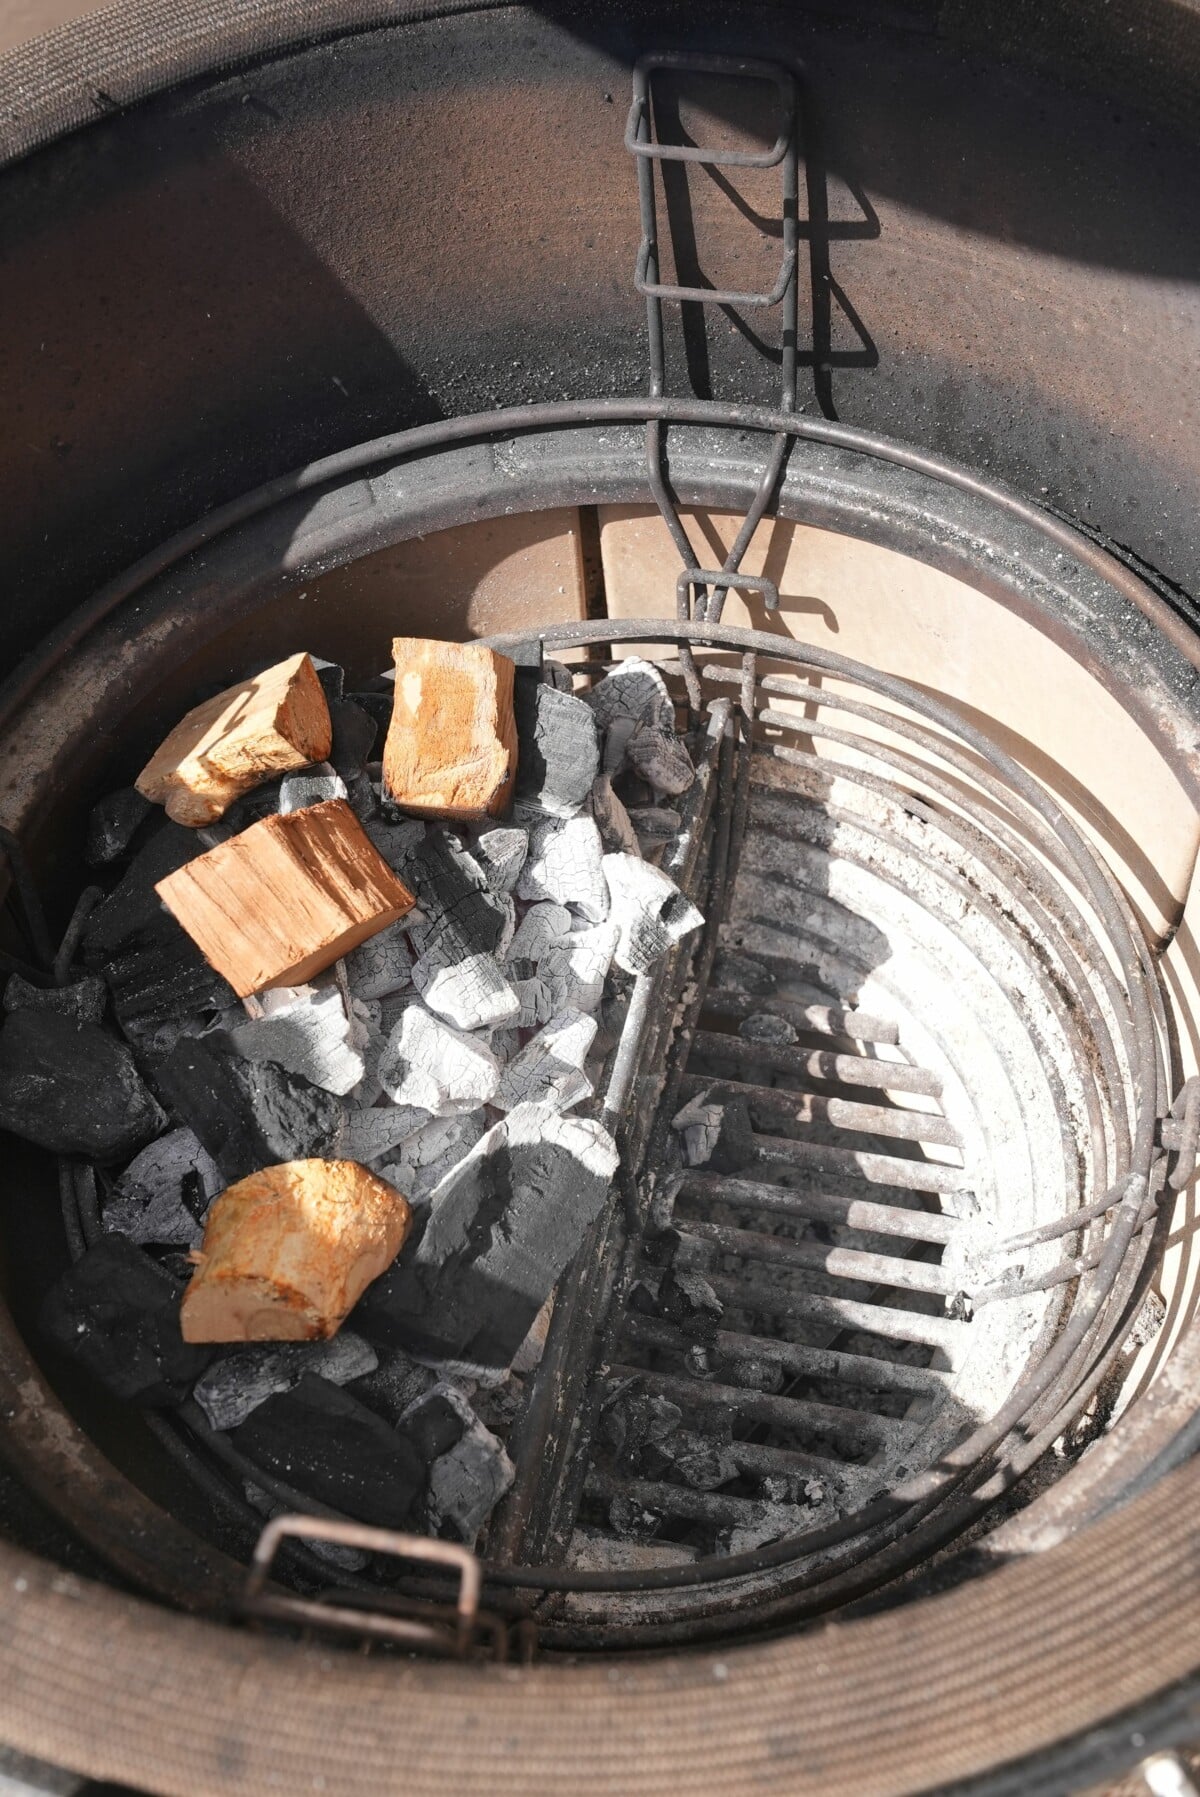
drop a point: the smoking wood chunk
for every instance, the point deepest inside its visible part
(649, 910)
(289, 1251)
(287, 897)
(451, 748)
(276, 721)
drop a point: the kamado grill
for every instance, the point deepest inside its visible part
(906, 1130)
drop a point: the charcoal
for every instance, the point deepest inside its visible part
(309, 1035)
(437, 1420)
(741, 973)
(688, 1300)
(649, 910)
(763, 1026)
(541, 928)
(323, 1442)
(395, 1385)
(549, 1070)
(466, 1483)
(719, 1136)
(636, 690)
(381, 965)
(332, 678)
(431, 1152)
(164, 989)
(354, 733)
(502, 1227)
(618, 834)
(701, 1464)
(133, 916)
(501, 856)
(117, 1313)
(556, 674)
(237, 1383)
(376, 1131)
(697, 1361)
(311, 786)
(164, 1192)
(558, 748)
(463, 927)
(376, 705)
(634, 1420)
(654, 826)
(633, 1521)
(471, 992)
(395, 841)
(360, 795)
(250, 1115)
(83, 1000)
(71, 1088)
(262, 801)
(112, 824)
(661, 759)
(429, 1065)
(576, 967)
(536, 1001)
(564, 866)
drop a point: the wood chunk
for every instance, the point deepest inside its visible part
(276, 721)
(286, 898)
(289, 1251)
(451, 748)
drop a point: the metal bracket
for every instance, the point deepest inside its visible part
(691, 578)
(450, 1630)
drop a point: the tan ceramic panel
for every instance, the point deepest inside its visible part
(897, 614)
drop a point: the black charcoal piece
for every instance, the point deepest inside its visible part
(163, 983)
(262, 801)
(452, 893)
(164, 1192)
(688, 1299)
(376, 705)
(501, 855)
(112, 824)
(332, 677)
(437, 1421)
(249, 1114)
(83, 1000)
(634, 1421)
(325, 1444)
(396, 1384)
(633, 1521)
(70, 1087)
(467, 1482)
(354, 733)
(117, 1313)
(133, 914)
(558, 748)
(239, 1381)
(506, 1223)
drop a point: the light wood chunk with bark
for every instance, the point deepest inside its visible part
(286, 898)
(277, 721)
(289, 1251)
(451, 747)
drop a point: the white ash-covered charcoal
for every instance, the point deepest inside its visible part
(311, 786)
(116, 1312)
(501, 854)
(576, 968)
(541, 927)
(238, 1382)
(375, 1132)
(395, 841)
(83, 1000)
(428, 1154)
(655, 826)
(558, 748)
(436, 1068)
(649, 910)
(764, 1026)
(537, 1002)
(564, 866)
(289, 1250)
(71, 1088)
(661, 759)
(634, 689)
(354, 734)
(505, 1043)
(310, 1034)
(736, 972)
(164, 1192)
(381, 966)
(471, 993)
(501, 1229)
(715, 1135)
(556, 673)
(617, 832)
(249, 1115)
(466, 1483)
(463, 929)
(370, 1039)
(614, 753)
(549, 1070)
(323, 1442)
(112, 824)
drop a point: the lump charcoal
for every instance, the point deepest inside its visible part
(430, 1065)
(719, 1136)
(654, 826)
(575, 968)
(382, 965)
(471, 993)
(558, 748)
(117, 1313)
(377, 706)
(428, 1154)
(164, 1192)
(332, 677)
(505, 1043)
(83, 1000)
(464, 926)
(323, 1442)
(436, 1420)
(549, 1070)
(466, 1482)
(361, 797)
(501, 856)
(614, 755)
(695, 1461)
(564, 866)
(311, 786)
(618, 834)
(541, 927)
(395, 1385)
(537, 1003)
(310, 1036)
(250, 1115)
(238, 1382)
(71, 1088)
(736, 972)
(634, 689)
(635, 1419)
(252, 807)
(354, 733)
(112, 824)
(661, 759)
(764, 1026)
(378, 1130)
(633, 1521)
(556, 674)
(649, 910)
(502, 1228)
(687, 1299)
(395, 841)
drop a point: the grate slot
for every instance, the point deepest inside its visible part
(810, 1011)
(821, 1207)
(859, 1431)
(815, 1064)
(841, 1114)
(839, 1263)
(863, 1372)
